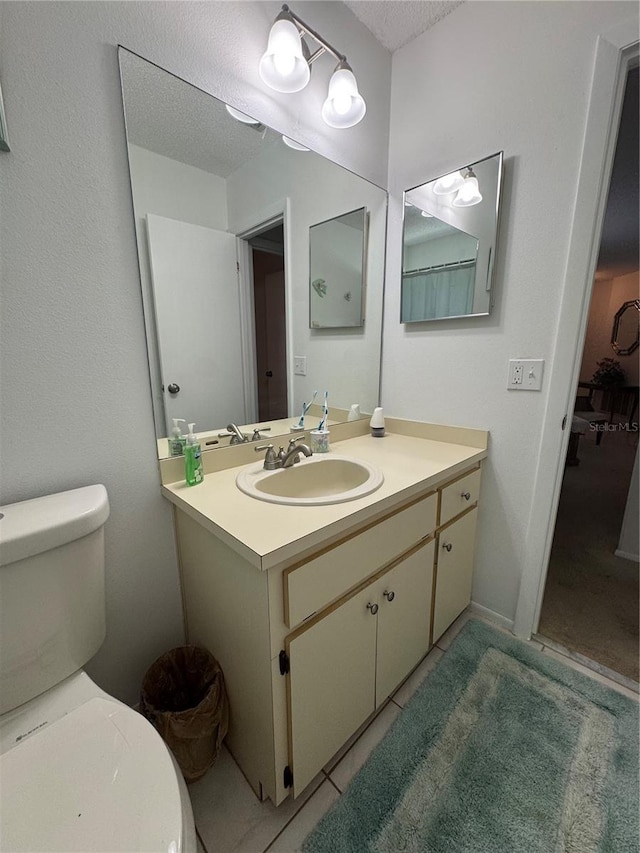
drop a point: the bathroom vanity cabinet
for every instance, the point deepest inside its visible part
(314, 643)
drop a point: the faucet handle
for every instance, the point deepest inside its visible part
(295, 438)
(256, 433)
(270, 458)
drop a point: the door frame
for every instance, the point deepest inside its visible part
(616, 53)
(262, 220)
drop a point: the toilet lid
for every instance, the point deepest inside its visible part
(98, 779)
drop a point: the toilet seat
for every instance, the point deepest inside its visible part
(97, 779)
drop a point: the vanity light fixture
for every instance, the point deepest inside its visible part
(450, 183)
(239, 116)
(293, 144)
(286, 63)
(469, 193)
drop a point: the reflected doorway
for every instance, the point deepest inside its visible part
(269, 315)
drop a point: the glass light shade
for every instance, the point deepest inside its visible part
(344, 106)
(293, 144)
(283, 66)
(238, 116)
(469, 193)
(450, 183)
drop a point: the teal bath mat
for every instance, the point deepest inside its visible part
(500, 750)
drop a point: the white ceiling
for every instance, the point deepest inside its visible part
(396, 22)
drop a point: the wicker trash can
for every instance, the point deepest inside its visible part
(184, 696)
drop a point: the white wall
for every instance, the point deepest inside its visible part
(176, 190)
(76, 406)
(492, 76)
(628, 545)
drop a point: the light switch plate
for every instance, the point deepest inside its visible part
(300, 365)
(525, 374)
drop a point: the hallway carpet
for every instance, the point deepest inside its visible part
(591, 596)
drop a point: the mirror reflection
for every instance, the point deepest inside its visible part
(336, 271)
(625, 335)
(223, 210)
(449, 243)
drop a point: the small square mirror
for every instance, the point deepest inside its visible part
(449, 243)
(337, 271)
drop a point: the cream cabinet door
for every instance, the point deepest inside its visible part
(454, 571)
(404, 619)
(331, 684)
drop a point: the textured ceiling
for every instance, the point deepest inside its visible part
(170, 117)
(396, 22)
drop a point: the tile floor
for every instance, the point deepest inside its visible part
(230, 819)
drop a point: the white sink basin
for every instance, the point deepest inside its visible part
(322, 479)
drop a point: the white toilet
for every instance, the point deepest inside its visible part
(79, 771)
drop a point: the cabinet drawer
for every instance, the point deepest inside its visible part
(454, 498)
(310, 586)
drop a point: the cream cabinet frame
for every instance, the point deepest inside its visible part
(345, 663)
(279, 633)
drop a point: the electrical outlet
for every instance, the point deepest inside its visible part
(300, 365)
(525, 374)
(515, 372)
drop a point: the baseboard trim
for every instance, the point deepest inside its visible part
(492, 616)
(627, 556)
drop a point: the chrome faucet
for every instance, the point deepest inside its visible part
(291, 455)
(284, 458)
(237, 437)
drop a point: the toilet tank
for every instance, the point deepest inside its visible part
(52, 604)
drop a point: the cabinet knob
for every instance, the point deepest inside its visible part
(389, 595)
(466, 496)
(447, 546)
(373, 608)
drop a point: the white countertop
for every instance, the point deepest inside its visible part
(267, 534)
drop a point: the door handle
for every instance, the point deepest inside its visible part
(173, 388)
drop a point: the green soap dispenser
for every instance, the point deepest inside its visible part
(177, 440)
(193, 459)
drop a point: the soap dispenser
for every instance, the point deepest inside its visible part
(177, 440)
(193, 459)
(377, 422)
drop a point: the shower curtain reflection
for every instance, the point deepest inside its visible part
(430, 294)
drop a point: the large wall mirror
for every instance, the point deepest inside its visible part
(223, 211)
(449, 243)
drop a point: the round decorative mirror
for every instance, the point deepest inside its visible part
(626, 328)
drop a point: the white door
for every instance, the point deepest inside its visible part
(195, 287)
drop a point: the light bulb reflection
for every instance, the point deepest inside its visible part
(469, 193)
